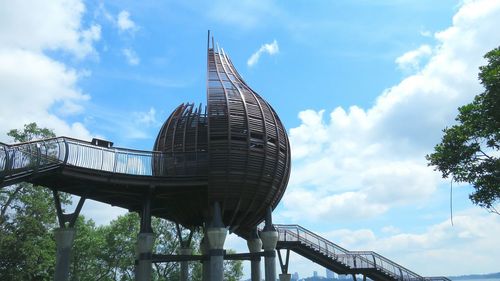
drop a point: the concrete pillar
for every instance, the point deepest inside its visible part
(285, 277)
(216, 238)
(216, 235)
(64, 242)
(205, 250)
(255, 246)
(269, 237)
(269, 241)
(184, 273)
(144, 254)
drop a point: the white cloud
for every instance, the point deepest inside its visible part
(40, 25)
(35, 87)
(374, 158)
(411, 60)
(131, 56)
(390, 229)
(100, 213)
(124, 22)
(327, 205)
(270, 48)
(146, 118)
(473, 235)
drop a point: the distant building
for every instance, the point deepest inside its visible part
(315, 273)
(295, 276)
(329, 274)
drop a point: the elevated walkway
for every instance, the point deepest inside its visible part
(111, 175)
(22, 161)
(340, 260)
(119, 177)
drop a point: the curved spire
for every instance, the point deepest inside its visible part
(247, 142)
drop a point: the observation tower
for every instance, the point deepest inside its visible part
(215, 168)
(238, 140)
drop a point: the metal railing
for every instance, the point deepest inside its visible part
(35, 156)
(355, 260)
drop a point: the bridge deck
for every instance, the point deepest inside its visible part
(120, 177)
(116, 176)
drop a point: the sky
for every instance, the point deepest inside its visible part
(363, 87)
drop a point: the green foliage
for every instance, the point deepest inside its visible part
(469, 150)
(233, 270)
(30, 132)
(108, 252)
(89, 254)
(27, 217)
(104, 253)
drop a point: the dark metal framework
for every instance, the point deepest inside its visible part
(117, 176)
(247, 145)
(340, 260)
(234, 153)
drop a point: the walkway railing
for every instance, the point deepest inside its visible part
(355, 260)
(35, 156)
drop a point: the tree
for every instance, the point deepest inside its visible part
(107, 252)
(469, 150)
(103, 253)
(233, 270)
(89, 261)
(27, 217)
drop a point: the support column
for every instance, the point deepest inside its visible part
(64, 242)
(216, 237)
(269, 238)
(65, 236)
(184, 273)
(205, 250)
(144, 252)
(145, 242)
(285, 277)
(185, 249)
(255, 246)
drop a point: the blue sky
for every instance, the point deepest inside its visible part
(363, 87)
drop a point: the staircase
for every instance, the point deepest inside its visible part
(340, 260)
(25, 161)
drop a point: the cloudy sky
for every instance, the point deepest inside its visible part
(363, 87)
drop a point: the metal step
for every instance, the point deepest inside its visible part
(330, 255)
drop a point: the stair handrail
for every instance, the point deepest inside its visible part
(437, 278)
(401, 270)
(340, 254)
(384, 264)
(286, 227)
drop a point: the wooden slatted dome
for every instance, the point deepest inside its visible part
(248, 151)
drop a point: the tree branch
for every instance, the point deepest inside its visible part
(493, 210)
(9, 201)
(486, 155)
